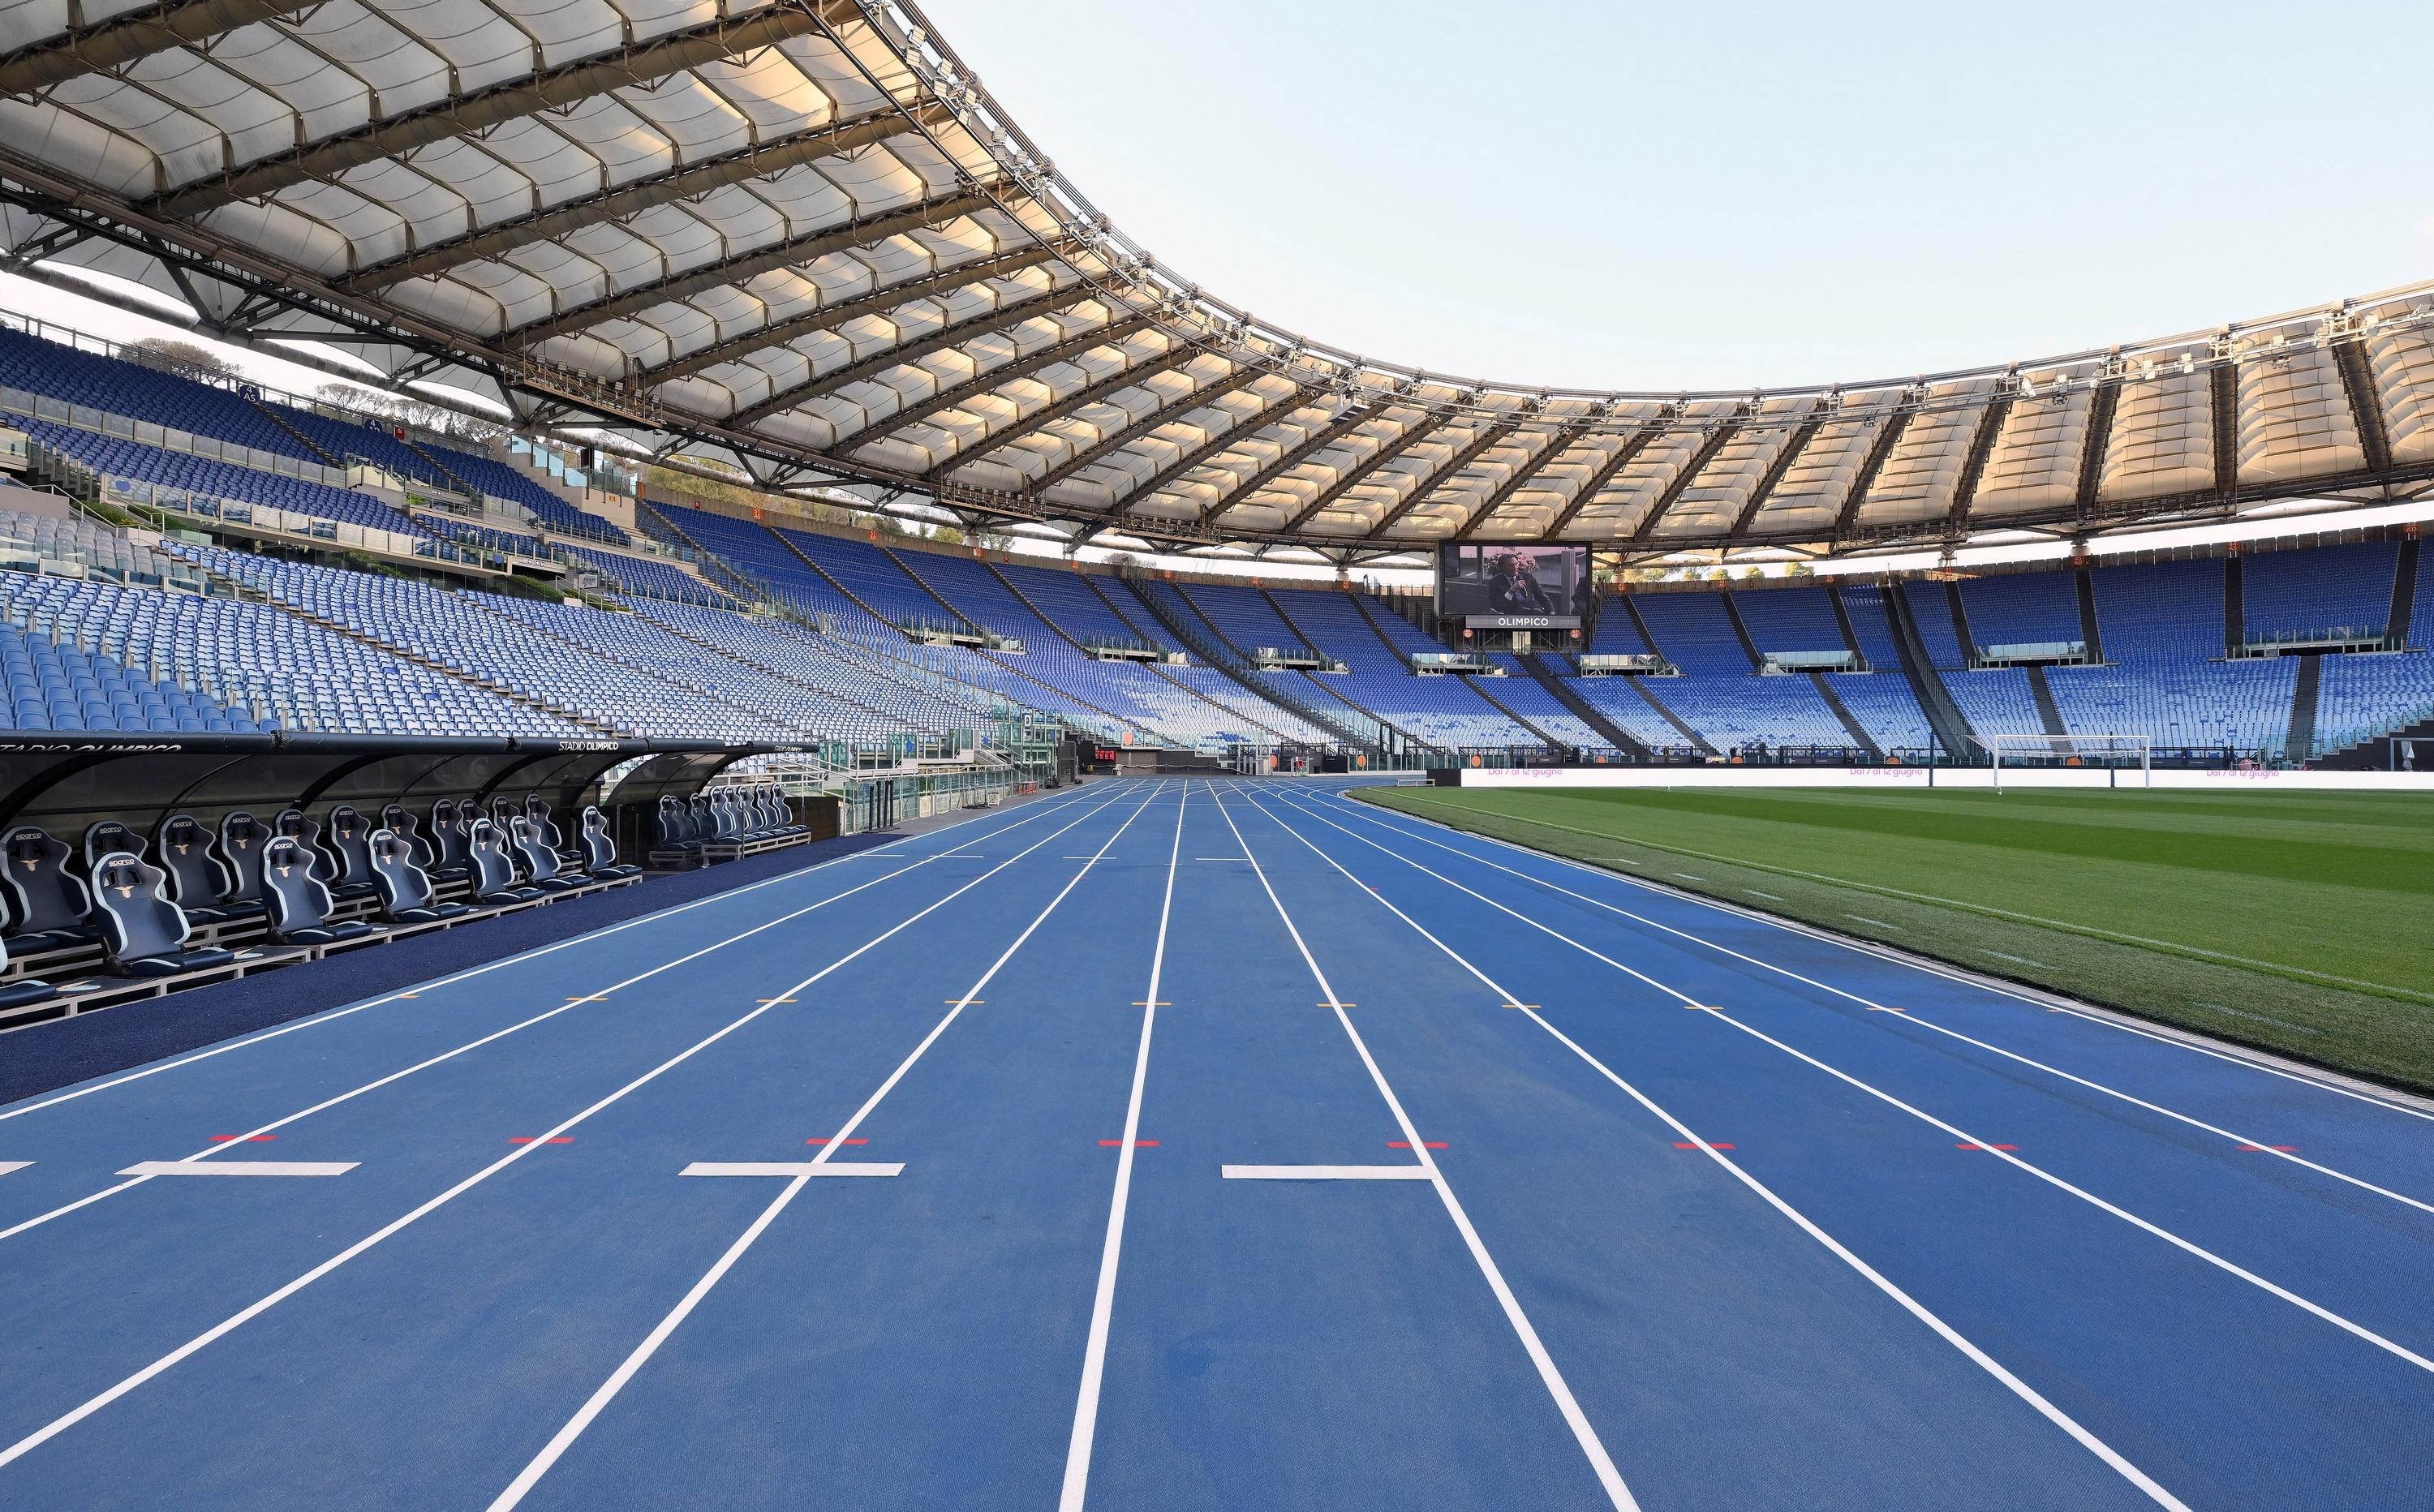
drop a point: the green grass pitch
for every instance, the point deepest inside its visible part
(2301, 923)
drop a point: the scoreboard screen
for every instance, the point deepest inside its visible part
(1500, 585)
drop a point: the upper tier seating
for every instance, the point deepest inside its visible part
(120, 387)
(2167, 678)
(1132, 691)
(210, 478)
(2331, 592)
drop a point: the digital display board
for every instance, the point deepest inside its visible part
(1500, 585)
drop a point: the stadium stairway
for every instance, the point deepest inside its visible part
(822, 573)
(244, 589)
(1513, 714)
(1369, 616)
(2048, 713)
(713, 568)
(898, 557)
(1311, 641)
(1842, 711)
(1741, 630)
(1183, 621)
(1952, 727)
(301, 439)
(2235, 609)
(2304, 697)
(1698, 741)
(2090, 629)
(1152, 667)
(840, 694)
(2404, 595)
(1588, 713)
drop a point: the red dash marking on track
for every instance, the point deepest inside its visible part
(1985, 1147)
(527, 1139)
(2284, 1148)
(250, 1139)
(1678, 1145)
(1137, 1143)
(1405, 1143)
(823, 1139)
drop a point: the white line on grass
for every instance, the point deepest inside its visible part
(2249, 1143)
(374, 1085)
(1910, 1304)
(2356, 1330)
(335, 1015)
(2062, 925)
(1585, 1435)
(627, 1370)
(238, 1319)
(1103, 1301)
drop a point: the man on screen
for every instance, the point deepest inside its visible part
(1511, 590)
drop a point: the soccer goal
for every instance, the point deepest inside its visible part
(2114, 754)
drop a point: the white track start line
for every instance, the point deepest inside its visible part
(1325, 1173)
(790, 1170)
(240, 1169)
(6, 1166)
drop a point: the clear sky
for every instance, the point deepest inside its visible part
(1699, 194)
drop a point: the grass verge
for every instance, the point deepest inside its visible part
(2299, 922)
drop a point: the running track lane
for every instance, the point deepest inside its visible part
(1729, 1332)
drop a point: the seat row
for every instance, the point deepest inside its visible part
(210, 903)
(722, 824)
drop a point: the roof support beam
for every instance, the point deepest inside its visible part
(2223, 391)
(829, 316)
(761, 161)
(1622, 458)
(620, 68)
(1887, 439)
(1292, 457)
(808, 248)
(1982, 445)
(1780, 467)
(1717, 440)
(1556, 446)
(1463, 458)
(979, 383)
(887, 359)
(2365, 404)
(1123, 435)
(1420, 430)
(1218, 441)
(132, 35)
(2101, 409)
(1089, 393)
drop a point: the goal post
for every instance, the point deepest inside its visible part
(2113, 754)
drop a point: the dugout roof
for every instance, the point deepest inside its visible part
(798, 237)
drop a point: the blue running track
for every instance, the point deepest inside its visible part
(1178, 1145)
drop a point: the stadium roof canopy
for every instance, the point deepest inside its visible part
(796, 236)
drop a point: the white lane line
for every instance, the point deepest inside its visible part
(335, 1014)
(1861, 947)
(573, 1427)
(1102, 1299)
(2028, 1394)
(2247, 1144)
(6, 1166)
(238, 1319)
(374, 1085)
(1323, 1173)
(792, 1168)
(1600, 1461)
(240, 1169)
(2189, 1247)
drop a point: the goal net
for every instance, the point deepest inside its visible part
(2115, 753)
